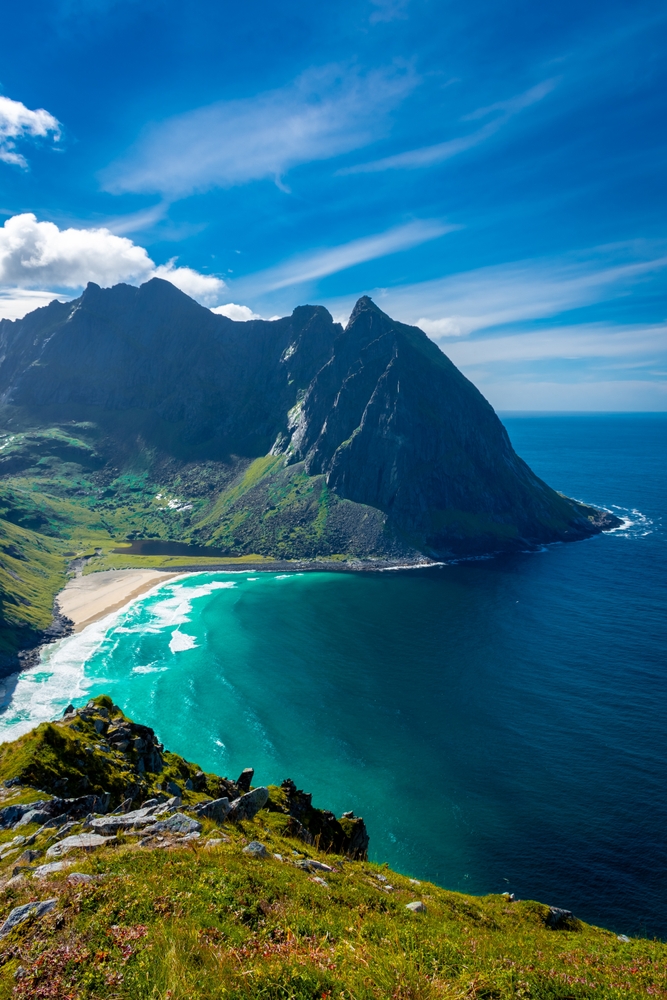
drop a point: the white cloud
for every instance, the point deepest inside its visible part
(324, 113)
(18, 122)
(39, 256)
(319, 263)
(205, 288)
(388, 10)
(569, 343)
(427, 155)
(239, 313)
(525, 290)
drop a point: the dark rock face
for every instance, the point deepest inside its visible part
(189, 380)
(414, 459)
(393, 424)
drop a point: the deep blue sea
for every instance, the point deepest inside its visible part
(500, 724)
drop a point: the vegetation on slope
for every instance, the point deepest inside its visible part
(168, 918)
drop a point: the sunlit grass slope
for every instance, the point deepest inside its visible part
(202, 920)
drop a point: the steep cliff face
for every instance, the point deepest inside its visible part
(371, 426)
(392, 423)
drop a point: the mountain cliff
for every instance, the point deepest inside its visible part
(135, 413)
(375, 413)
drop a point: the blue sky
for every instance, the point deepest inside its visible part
(493, 172)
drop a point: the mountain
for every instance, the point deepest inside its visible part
(375, 415)
(135, 413)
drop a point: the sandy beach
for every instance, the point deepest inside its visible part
(89, 598)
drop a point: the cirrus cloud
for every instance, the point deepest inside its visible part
(18, 122)
(325, 112)
(40, 256)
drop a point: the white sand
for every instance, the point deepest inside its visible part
(89, 598)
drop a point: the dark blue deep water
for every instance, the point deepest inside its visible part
(500, 724)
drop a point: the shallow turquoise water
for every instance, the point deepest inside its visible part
(500, 724)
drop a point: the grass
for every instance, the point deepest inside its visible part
(201, 920)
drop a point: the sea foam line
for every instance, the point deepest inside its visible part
(42, 692)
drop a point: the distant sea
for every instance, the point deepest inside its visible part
(500, 724)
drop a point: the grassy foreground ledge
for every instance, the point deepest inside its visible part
(195, 916)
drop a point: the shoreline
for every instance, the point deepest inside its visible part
(87, 599)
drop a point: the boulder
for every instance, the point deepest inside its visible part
(244, 780)
(416, 907)
(217, 809)
(81, 841)
(43, 871)
(248, 805)
(558, 919)
(256, 850)
(21, 913)
(177, 823)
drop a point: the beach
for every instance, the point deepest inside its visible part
(86, 599)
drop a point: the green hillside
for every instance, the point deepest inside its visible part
(173, 916)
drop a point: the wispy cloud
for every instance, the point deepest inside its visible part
(321, 262)
(324, 113)
(39, 256)
(388, 10)
(567, 343)
(428, 155)
(18, 122)
(460, 304)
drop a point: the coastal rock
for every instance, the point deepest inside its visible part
(248, 805)
(245, 779)
(21, 913)
(81, 841)
(416, 907)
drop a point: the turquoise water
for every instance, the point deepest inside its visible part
(500, 724)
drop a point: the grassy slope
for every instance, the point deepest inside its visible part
(198, 921)
(60, 501)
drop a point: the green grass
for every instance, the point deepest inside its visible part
(203, 921)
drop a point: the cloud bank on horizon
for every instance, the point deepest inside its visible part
(495, 178)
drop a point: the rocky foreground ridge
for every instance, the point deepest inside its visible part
(209, 888)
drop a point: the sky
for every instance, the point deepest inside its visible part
(491, 172)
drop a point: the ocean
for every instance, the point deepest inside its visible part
(500, 724)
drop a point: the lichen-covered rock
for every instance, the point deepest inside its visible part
(21, 913)
(80, 841)
(248, 805)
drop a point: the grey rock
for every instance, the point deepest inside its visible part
(173, 788)
(248, 805)
(217, 810)
(245, 779)
(623, 938)
(43, 871)
(79, 877)
(10, 815)
(310, 865)
(177, 823)
(81, 841)
(109, 825)
(21, 913)
(28, 856)
(320, 881)
(558, 919)
(416, 907)
(256, 850)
